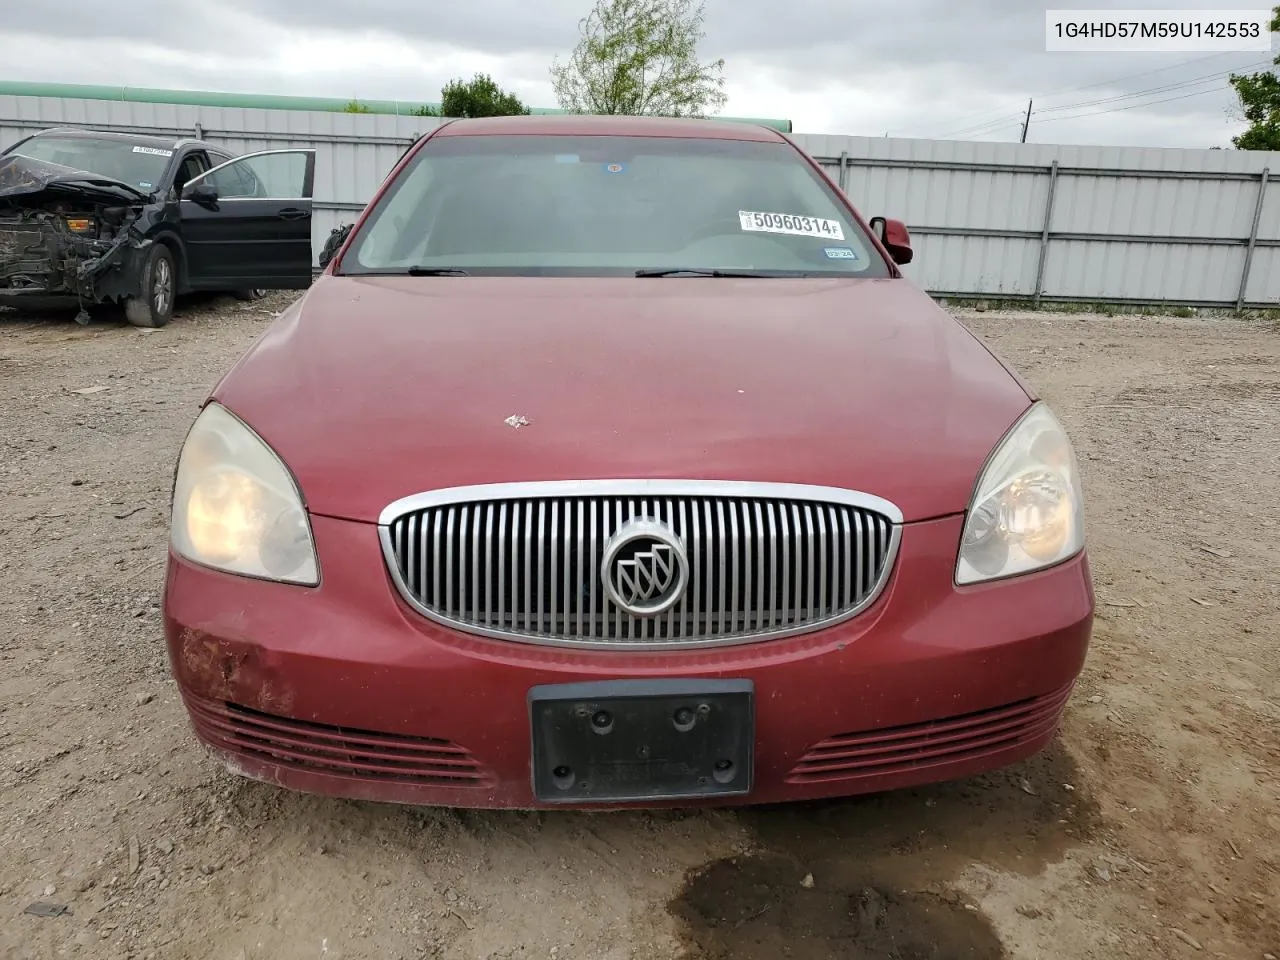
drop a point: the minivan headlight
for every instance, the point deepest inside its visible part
(236, 506)
(1027, 510)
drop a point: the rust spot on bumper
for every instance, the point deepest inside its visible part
(222, 669)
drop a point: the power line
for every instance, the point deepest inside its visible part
(963, 119)
(1180, 85)
(1132, 106)
(980, 127)
(1147, 73)
(1193, 82)
(992, 126)
(992, 119)
(986, 129)
(950, 120)
(1012, 123)
(1004, 123)
(1063, 93)
(1007, 126)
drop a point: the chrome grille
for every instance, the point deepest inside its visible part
(522, 561)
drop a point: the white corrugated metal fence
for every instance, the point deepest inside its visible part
(1138, 224)
(1112, 224)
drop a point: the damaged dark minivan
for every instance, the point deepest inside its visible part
(90, 217)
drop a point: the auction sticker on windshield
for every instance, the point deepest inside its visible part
(790, 224)
(153, 151)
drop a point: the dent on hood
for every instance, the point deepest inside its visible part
(39, 251)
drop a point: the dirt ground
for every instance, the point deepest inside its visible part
(1151, 829)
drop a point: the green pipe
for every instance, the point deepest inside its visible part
(259, 101)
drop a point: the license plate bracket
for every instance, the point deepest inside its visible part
(619, 741)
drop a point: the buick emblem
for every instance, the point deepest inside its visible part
(645, 569)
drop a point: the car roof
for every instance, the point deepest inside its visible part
(584, 125)
(142, 140)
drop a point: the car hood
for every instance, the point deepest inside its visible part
(24, 181)
(374, 388)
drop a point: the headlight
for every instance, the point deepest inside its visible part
(1027, 510)
(236, 507)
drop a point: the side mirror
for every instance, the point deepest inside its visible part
(201, 193)
(893, 234)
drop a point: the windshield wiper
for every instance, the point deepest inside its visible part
(436, 272)
(695, 272)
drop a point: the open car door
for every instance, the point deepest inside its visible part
(247, 222)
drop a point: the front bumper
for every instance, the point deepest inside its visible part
(343, 690)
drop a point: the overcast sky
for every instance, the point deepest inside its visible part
(954, 69)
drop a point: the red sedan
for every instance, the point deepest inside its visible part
(614, 461)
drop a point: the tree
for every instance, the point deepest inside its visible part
(640, 57)
(477, 97)
(1259, 95)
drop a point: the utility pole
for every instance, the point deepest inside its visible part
(1026, 123)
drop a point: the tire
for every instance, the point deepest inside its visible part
(249, 295)
(159, 285)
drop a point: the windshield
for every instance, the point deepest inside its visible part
(606, 206)
(140, 166)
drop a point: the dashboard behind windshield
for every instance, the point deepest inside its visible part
(608, 205)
